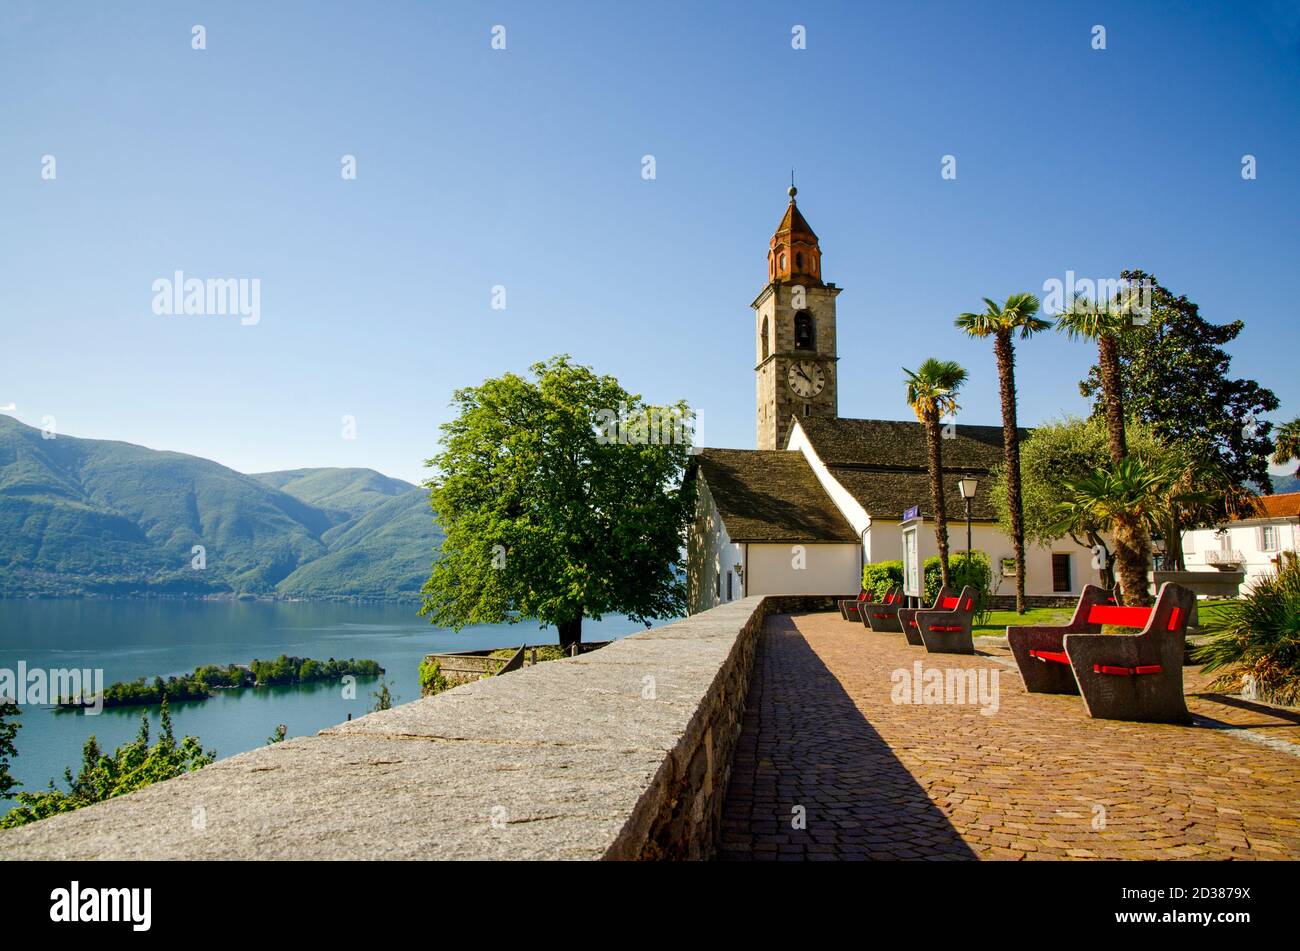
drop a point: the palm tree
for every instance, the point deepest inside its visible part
(932, 394)
(1018, 314)
(1126, 499)
(1104, 323)
(1287, 444)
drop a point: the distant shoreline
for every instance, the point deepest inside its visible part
(223, 597)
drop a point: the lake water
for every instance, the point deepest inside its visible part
(130, 639)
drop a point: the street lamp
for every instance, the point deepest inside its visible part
(967, 486)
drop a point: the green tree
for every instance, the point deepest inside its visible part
(561, 498)
(1287, 444)
(9, 712)
(1105, 322)
(383, 697)
(278, 735)
(1175, 376)
(932, 394)
(1126, 499)
(132, 766)
(1019, 315)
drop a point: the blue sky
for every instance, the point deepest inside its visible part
(522, 168)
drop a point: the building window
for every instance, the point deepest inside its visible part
(1268, 538)
(781, 262)
(798, 262)
(804, 336)
(763, 335)
(717, 586)
(729, 594)
(1061, 580)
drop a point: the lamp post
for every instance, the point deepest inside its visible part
(967, 486)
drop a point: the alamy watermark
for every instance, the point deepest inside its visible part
(955, 685)
(37, 686)
(649, 426)
(178, 296)
(1107, 295)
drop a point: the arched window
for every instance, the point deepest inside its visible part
(781, 263)
(763, 337)
(798, 261)
(804, 337)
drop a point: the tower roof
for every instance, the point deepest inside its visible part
(794, 255)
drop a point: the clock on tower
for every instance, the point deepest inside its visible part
(795, 333)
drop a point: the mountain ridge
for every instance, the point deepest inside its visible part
(107, 517)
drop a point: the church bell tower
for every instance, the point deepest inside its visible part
(794, 332)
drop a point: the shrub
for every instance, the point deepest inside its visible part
(431, 678)
(961, 572)
(882, 576)
(1259, 637)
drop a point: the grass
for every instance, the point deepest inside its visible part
(1211, 615)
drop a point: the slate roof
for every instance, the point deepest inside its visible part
(770, 496)
(883, 463)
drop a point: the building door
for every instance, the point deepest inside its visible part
(911, 564)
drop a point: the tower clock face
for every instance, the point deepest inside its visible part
(806, 378)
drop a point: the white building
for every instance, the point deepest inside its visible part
(1257, 543)
(821, 495)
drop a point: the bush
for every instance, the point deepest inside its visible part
(431, 678)
(1259, 637)
(882, 576)
(961, 572)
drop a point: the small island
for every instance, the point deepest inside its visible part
(209, 678)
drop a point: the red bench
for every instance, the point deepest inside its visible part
(850, 608)
(946, 598)
(882, 616)
(947, 629)
(1120, 676)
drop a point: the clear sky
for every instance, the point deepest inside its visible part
(523, 168)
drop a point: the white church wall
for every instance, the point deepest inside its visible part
(711, 557)
(885, 543)
(831, 568)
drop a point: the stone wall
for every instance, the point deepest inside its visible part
(623, 753)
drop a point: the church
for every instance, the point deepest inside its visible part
(822, 495)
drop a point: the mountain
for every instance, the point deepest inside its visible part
(89, 516)
(1286, 483)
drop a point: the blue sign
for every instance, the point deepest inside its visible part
(913, 512)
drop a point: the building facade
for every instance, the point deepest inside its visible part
(822, 495)
(1259, 542)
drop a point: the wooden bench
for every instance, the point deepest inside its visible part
(850, 608)
(947, 629)
(946, 598)
(1120, 676)
(882, 616)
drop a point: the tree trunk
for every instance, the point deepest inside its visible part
(1132, 552)
(1006, 356)
(1112, 391)
(570, 632)
(936, 491)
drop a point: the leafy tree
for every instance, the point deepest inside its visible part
(561, 498)
(1105, 321)
(9, 711)
(932, 394)
(131, 766)
(1125, 499)
(1287, 444)
(1019, 315)
(1175, 376)
(383, 697)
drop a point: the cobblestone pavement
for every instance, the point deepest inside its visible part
(825, 747)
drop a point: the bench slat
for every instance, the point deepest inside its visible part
(1120, 617)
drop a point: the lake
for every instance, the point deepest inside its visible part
(130, 639)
